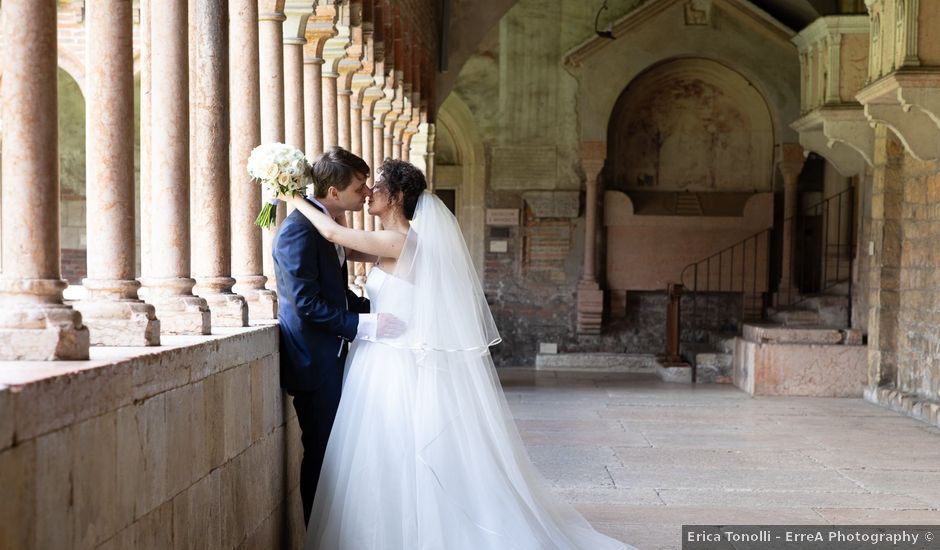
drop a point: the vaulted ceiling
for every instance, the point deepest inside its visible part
(470, 20)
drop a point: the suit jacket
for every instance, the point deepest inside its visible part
(317, 313)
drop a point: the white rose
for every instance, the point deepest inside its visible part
(283, 179)
(271, 171)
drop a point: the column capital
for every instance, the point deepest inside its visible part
(272, 16)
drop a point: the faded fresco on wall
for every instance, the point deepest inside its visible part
(690, 125)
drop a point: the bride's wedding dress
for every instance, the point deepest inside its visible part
(424, 454)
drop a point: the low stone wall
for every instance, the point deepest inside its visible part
(189, 445)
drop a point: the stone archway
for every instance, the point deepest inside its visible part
(460, 166)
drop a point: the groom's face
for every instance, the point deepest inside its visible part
(355, 194)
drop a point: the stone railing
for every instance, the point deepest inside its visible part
(190, 445)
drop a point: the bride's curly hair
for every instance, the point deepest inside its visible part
(404, 177)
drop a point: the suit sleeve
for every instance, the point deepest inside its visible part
(301, 283)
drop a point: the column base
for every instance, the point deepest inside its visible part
(262, 303)
(43, 333)
(590, 308)
(178, 310)
(120, 323)
(227, 310)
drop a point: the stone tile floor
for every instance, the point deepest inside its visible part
(640, 457)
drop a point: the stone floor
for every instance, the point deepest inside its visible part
(640, 457)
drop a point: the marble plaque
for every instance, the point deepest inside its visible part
(502, 216)
(499, 247)
(553, 204)
(517, 167)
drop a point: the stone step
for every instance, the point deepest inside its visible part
(714, 368)
(796, 317)
(596, 362)
(726, 345)
(761, 333)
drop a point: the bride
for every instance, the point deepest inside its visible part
(424, 453)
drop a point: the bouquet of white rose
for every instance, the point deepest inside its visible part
(281, 170)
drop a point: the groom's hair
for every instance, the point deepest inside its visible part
(336, 168)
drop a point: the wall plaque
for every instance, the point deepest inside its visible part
(502, 216)
(499, 247)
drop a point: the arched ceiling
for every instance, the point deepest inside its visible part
(470, 20)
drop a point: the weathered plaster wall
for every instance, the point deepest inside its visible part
(533, 110)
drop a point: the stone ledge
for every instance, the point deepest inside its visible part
(777, 334)
(915, 406)
(810, 370)
(45, 396)
(907, 102)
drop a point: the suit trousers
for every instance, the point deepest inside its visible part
(316, 411)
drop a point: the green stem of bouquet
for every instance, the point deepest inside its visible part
(267, 216)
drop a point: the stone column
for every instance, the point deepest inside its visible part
(245, 114)
(313, 107)
(294, 40)
(343, 116)
(378, 151)
(368, 154)
(590, 295)
(34, 323)
(330, 120)
(429, 156)
(112, 311)
(169, 286)
(356, 136)
(271, 62)
(212, 262)
(146, 223)
(791, 164)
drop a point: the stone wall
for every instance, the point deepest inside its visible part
(191, 445)
(904, 341)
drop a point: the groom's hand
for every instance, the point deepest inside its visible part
(390, 326)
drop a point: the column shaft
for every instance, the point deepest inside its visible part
(246, 264)
(342, 118)
(330, 115)
(210, 168)
(112, 311)
(378, 155)
(34, 323)
(294, 93)
(169, 285)
(145, 143)
(313, 108)
(271, 38)
(356, 141)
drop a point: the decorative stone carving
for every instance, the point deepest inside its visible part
(834, 62)
(698, 12)
(903, 80)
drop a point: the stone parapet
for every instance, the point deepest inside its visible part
(156, 448)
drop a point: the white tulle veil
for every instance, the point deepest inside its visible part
(445, 310)
(424, 452)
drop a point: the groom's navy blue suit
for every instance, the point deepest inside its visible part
(318, 316)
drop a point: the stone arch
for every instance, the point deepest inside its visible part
(684, 105)
(467, 175)
(74, 66)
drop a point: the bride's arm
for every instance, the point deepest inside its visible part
(355, 255)
(387, 244)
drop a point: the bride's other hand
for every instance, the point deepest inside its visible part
(389, 326)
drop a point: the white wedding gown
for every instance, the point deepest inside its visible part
(424, 455)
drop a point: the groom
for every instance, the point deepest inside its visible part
(318, 315)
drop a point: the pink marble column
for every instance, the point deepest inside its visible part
(294, 91)
(356, 134)
(429, 156)
(378, 156)
(211, 230)
(34, 323)
(343, 116)
(112, 311)
(368, 153)
(245, 116)
(271, 61)
(169, 286)
(330, 117)
(145, 144)
(313, 107)
(590, 296)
